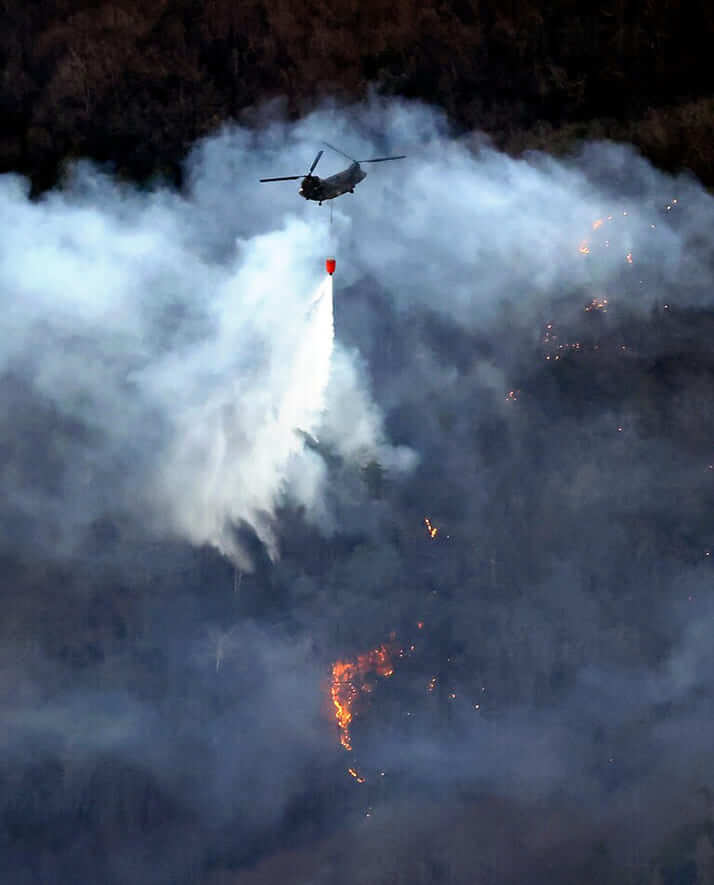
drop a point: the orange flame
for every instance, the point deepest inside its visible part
(349, 678)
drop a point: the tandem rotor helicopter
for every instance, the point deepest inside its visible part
(319, 189)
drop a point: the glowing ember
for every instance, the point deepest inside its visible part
(550, 339)
(598, 223)
(512, 396)
(431, 686)
(431, 529)
(584, 248)
(629, 257)
(420, 625)
(356, 775)
(349, 679)
(597, 304)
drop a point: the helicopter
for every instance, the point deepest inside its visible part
(319, 189)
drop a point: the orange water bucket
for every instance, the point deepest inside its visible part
(330, 265)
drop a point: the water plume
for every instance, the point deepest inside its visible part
(238, 470)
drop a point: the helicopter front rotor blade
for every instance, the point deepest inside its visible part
(315, 162)
(283, 178)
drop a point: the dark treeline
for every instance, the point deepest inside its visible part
(135, 84)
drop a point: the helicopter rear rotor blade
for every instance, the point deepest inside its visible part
(283, 178)
(382, 159)
(338, 151)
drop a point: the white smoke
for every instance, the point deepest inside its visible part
(171, 340)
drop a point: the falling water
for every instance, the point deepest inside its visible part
(243, 447)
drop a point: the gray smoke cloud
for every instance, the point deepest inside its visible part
(521, 354)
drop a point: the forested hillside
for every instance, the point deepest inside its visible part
(136, 83)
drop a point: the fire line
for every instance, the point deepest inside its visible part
(349, 678)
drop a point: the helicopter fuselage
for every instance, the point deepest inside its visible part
(319, 189)
(315, 188)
